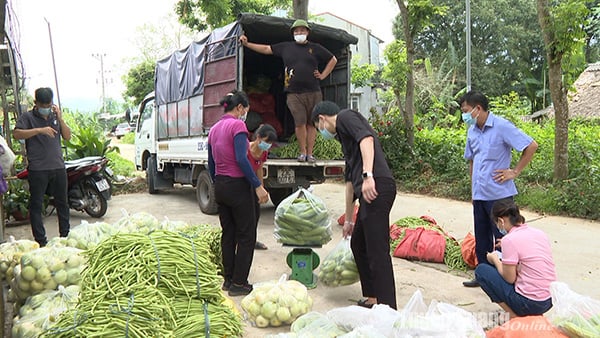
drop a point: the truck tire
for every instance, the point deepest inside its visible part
(279, 194)
(205, 194)
(151, 175)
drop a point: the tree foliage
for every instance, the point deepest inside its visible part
(201, 15)
(139, 81)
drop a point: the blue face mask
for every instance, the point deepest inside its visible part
(326, 134)
(468, 119)
(264, 146)
(501, 229)
(44, 111)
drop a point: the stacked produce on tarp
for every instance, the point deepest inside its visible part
(10, 255)
(42, 310)
(156, 284)
(302, 219)
(421, 238)
(277, 303)
(339, 267)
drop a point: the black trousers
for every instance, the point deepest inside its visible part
(371, 244)
(53, 182)
(237, 214)
(486, 231)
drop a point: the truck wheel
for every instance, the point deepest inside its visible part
(151, 175)
(279, 194)
(205, 194)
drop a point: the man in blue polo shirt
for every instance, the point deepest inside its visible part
(490, 140)
(42, 129)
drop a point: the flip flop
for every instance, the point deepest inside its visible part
(363, 303)
(260, 246)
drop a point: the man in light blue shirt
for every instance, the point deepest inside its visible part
(490, 140)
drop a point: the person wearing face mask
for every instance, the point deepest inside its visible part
(490, 141)
(370, 180)
(236, 189)
(520, 281)
(258, 151)
(42, 129)
(301, 59)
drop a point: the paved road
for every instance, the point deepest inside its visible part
(574, 244)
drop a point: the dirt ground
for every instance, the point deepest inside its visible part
(574, 244)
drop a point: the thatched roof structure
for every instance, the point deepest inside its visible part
(585, 101)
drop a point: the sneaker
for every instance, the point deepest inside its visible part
(473, 283)
(239, 290)
(226, 285)
(311, 159)
(301, 158)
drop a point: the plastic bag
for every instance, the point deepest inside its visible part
(7, 157)
(302, 219)
(315, 324)
(354, 318)
(45, 269)
(439, 320)
(339, 267)
(89, 235)
(277, 303)
(41, 311)
(10, 255)
(467, 249)
(140, 222)
(575, 314)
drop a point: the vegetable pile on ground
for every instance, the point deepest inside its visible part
(277, 303)
(302, 219)
(159, 284)
(452, 254)
(85, 235)
(339, 267)
(10, 255)
(42, 310)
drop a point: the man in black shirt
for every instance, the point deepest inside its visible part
(42, 129)
(370, 180)
(301, 59)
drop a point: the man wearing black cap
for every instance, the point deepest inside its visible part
(368, 179)
(301, 59)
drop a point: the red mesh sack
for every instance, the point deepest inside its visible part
(262, 103)
(421, 244)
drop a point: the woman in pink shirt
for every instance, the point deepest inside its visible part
(519, 281)
(264, 137)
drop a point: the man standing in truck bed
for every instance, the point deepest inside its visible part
(301, 60)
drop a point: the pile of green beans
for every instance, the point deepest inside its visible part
(151, 285)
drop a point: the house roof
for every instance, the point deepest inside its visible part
(585, 101)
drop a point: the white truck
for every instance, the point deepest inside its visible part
(174, 120)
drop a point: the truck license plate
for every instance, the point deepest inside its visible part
(102, 185)
(286, 176)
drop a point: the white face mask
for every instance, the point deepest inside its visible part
(300, 38)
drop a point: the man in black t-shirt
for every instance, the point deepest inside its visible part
(301, 60)
(42, 129)
(368, 179)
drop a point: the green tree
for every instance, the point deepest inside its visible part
(139, 81)
(415, 16)
(362, 75)
(562, 25)
(201, 15)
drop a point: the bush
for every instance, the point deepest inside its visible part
(128, 138)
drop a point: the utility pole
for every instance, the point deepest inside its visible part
(468, 58)
(100, 56)
(53, 64)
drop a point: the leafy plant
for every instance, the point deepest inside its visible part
(16, 199)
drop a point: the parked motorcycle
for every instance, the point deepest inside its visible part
(88, 189)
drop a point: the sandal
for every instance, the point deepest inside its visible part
(260, 246)
(311, 159)
(301, 158)
(363, 303)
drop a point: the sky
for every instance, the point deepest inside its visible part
(83, 30)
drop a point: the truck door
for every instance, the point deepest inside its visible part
(145, 133)
(220, 77)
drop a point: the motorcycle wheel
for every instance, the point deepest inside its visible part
(96, 203)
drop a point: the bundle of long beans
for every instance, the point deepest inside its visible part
(150, 285)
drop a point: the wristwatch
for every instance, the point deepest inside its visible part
(367, 174)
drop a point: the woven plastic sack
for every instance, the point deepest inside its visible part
(467, 249)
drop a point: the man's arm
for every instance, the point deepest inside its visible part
(526, 157)
(348, 227)
(328, 69)
(257, 47)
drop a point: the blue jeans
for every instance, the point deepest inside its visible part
(500, 291)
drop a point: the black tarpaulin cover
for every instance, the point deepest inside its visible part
(181, 74)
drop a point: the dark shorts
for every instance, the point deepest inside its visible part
(301, 105)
